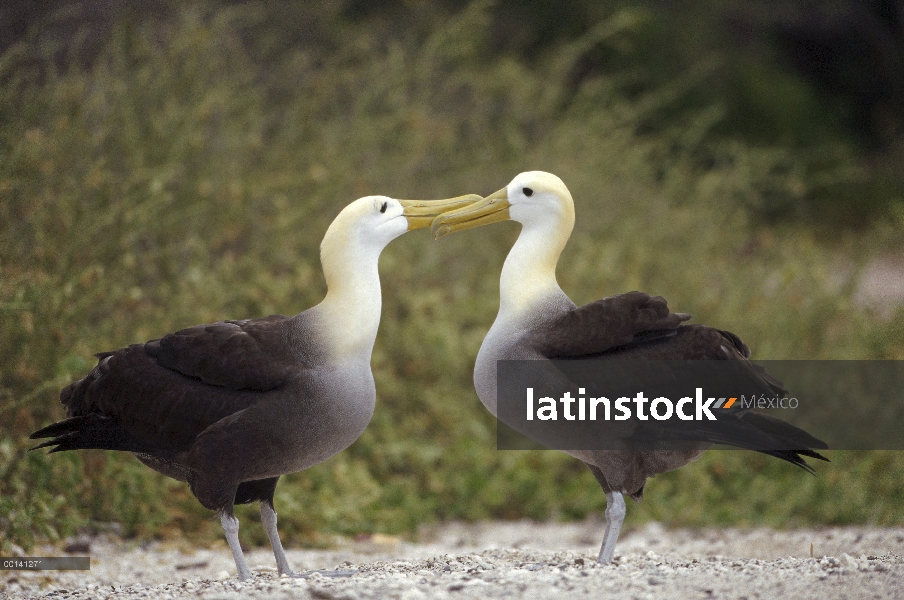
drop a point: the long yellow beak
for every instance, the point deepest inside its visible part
(421, 213)
(492, 209)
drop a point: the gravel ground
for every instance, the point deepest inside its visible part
(505, 560)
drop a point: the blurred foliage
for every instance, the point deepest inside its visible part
(187, 171)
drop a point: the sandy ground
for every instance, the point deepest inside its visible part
(505, 560)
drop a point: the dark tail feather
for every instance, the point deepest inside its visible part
(793, 457)
(796, 441)
(86, 432)
(62, 427)
(752, 431)
(783, 430)
(769, 435)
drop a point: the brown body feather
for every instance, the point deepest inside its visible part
(215, 405)
(637, 326)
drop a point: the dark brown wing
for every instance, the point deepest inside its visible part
(638, 327)
(688, 342)
(254, 354)
(606, 324)
(157, 397)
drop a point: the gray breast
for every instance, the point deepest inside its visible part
(506, 341)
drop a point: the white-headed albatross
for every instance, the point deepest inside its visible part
(231, 406)
(538, 321)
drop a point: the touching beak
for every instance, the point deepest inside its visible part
(421, 213)
(492, 209)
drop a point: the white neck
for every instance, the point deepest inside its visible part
(529, 273)
(350, 312)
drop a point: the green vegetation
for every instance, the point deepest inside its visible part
(186, 175)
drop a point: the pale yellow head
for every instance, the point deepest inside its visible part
(536, 199)
(545, 209)
(350, 252)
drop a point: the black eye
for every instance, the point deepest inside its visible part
(528, 192)
(383, 207)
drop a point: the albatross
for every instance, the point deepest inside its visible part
(231, 406)
(538, 321)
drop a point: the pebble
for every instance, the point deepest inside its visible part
(504, 560)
